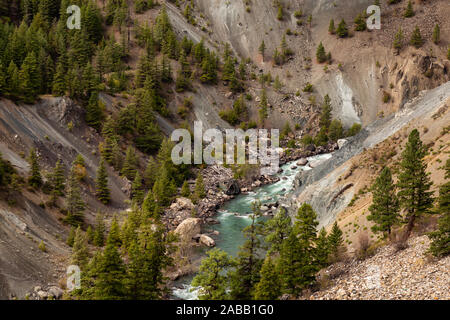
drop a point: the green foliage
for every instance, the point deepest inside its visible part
(331, 27)
(268, 288)
(413, 181)
(409, 11)
(75, 205)
(440, 239)
(35, 179)
(384, 211)
(99, 233)
(277, 230)
(398, 40)
(263, 107)
(321, 55)
(353, 130)
(130, 164)
(342, 30)
(80, 251)
(335, 131)
(360, 22)
(336, 242)
(211, 279)
(436, 34)
(185, 190)
(101, 184)
(416, 38)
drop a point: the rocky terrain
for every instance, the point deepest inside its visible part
(389, 275)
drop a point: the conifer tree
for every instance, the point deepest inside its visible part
(13, 81)
(277, 230)
(262, 49)
(130, 164)
(99, 233)
(416, 38)
(74, 203)
(200, 187)
(90, 234)
(413, 181)
(114, 235)
(331, 27)
(247, 273)
(342, 30)
(263, 106)
(101, 183)
(185, 190)
(360, 22)
(30, 78)
(150, 173)
(80, 252)
(336, 242)
(336, 131)
(110, 274)
(137, 192)
(440, 239)
(268, 288)
(325, 116)
(211, 279)
(384, 211)
(94, 114)
(322, 248)
(59, 87)
(321, 54)
(164, 188)
(35, 179)
(71, 237)
(436, 34)
(398, 40)
(58, 179)
(409, 11)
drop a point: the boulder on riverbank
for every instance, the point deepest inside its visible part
(187, 229)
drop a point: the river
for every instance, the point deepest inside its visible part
(233, 218)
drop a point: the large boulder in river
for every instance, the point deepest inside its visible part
(232, 188)
(207, 241)
(302, 162)
(341, 143)
(188, 229)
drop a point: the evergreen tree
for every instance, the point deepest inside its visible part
(211, 279)
(58, 179)
(101, 183)
(99, 233)
(30, 78)
(277, 230)
(185, 190)
(325, 116)
(262, 49)
(94, 113)
(436, 34)
(440, 245)
(322, 249)
(336, 131)
(360, 22)
(59, 87)
(398, 40)
(74, 203)
(409, 11)
(247, 273)
(321, 54)
(413, 181)
(263, 106)
(130, 164)
(13, 81)
(90, 234)
(384, 211)
(331, 27)
(199, 187)
(150, 173)
(114, 235)
(342, 30)
(110, 274)
(80, 252)
(71, 237)
(35, 179)
(164, 188)
(268, 288)
(416, 38)
(137, 192)
(336, 242)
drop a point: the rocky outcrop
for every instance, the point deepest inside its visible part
(232, 188)
(207, 241)
(188, 229)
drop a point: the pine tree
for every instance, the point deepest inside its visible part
(80, 252)
(58, 179)
(30, 78)
(71, 237)
(360, 22)
(130, 165)
(99, 233)
(13, 81)
(342, 30)
(247, 273)
(322, 248)
(336, 131)
(336, 242)
(436, 34)
(185, 190)
(409, 11)
(164, 188)
(325, 116)
(137, 192)
(94, 114)
(277, 230)
(35, 179)
(413, 181)
(114, 235)
(398, 40)
(90, 234)
(262, 49)
(74, 203)
(331, 27)
(416, 38)
(321, 55)
(263, 106)
(440, 245)
(199, 187)
(211, 279)
(150, 173)
(384, 211)
(109, 283)
(268, 288)
(59, 87)
(101, 183)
